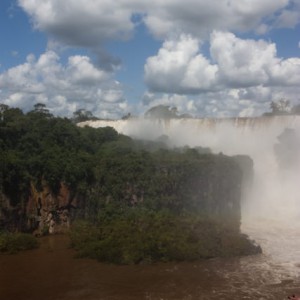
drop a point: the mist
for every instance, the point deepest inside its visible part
(274, 191)
(271, 205)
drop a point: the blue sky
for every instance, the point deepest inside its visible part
(220, 58)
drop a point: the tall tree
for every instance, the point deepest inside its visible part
(82, 115)
(161, 112)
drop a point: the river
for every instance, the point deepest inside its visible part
(52, 272)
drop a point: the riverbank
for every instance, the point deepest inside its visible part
(15, 242)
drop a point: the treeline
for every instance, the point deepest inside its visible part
(37, 146)
(283, 107)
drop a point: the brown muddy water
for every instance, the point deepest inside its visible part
(51, 272)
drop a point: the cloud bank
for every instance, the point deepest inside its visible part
(180, 67)
(236, 76)
(63, 88)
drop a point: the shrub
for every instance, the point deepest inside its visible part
(14, 242)
(150, 237)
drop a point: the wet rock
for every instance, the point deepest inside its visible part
(48, 212)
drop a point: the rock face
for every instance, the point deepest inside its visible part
(7, 213)
(48, 212)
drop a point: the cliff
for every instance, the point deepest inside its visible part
(206, 184)
(47, 212)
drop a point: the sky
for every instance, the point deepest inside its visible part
(217, 58)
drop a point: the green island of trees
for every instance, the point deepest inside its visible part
(136, 201)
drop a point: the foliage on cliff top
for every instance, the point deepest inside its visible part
(37, 146)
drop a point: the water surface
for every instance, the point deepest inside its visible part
(52, 272)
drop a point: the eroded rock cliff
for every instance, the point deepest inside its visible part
(48, 212)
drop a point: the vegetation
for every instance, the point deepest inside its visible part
(82, 115)
(142, 236)
(37, 146)
(141, 200)
(15, 242)
(165, 112)
(283, 107)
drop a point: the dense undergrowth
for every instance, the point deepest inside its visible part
(15, 242)
(144, 237)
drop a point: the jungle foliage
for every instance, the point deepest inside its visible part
(143, 236)
(141, 199)
(14, 242)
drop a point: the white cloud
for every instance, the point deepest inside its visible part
(244, 102)
(183, 103)
(290, 16)
(91, 23)
(80, 22)
(201, 17)
(80, 70)
(221, 83)
(241, 62)
(63, 88)
(242, 77)
(180, 67)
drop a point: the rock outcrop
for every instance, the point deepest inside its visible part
(48, 212)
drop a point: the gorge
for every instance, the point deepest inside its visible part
(269, 214)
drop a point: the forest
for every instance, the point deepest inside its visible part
(136, 201)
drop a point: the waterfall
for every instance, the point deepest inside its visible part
(275, 191)
(271, 209)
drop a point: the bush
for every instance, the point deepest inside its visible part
(14, 242)
(140, 237)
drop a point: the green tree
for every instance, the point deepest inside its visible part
(41, 109)
(281, 107)
(82, 115)
(162, 112)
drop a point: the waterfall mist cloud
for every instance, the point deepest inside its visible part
(274, 193)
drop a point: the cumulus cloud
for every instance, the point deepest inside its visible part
(241, 76)
(242, 63)
(201, 17)
(183, 103)
(234, 71)
(248, 62)
(242, 102)
(290, 16)
(63, 88)
(180, 67)
(91, 23)
(81, 23)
